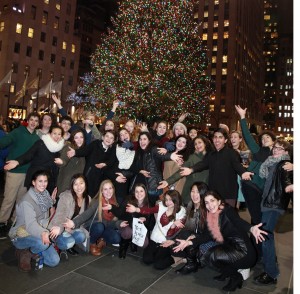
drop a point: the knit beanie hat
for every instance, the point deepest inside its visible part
(181, 125)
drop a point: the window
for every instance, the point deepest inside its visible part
(57, 5)
(39, 73)
(72, 64)
(30, 32)
(215, 48)
(41, 55)
(73, 48)
(68, 8)
(56, 23)
(46, 1)
(45, 17)
(226, 35)
(211, 107)
(0, 45)
(1, 26)
(63, 61)
(215, 36)
(67, 27)
(43, 37)
(224, 59)
(224, 71)
(33, 12)
(17, 47)
(216, 24)
(52, 58)
(70, 83)
(204, 37)
(29, 51)
(205, 13)
(214, 59)
(64, 45)
(19, 28)
(226, 23)
(54, 41)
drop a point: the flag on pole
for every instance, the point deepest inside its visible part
(6, 79)
(22, 92)
(47, 89)
(33, 84)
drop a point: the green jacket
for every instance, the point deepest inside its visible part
(19, 141)
(192, 178)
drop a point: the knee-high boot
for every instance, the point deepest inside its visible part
(191, 265)
(123, 247)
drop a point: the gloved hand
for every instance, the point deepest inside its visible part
(128, 145)
(170, 146)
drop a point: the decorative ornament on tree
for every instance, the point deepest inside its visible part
(153, 60)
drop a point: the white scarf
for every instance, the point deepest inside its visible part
(51, 145)
(125, 157)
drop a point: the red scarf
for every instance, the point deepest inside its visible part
(213, 226)
(106, 214)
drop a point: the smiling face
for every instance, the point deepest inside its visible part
(79, 186)
(161, 129)
(47, 121)
(124, 135)
(267, 141)
(211, 203)
(33, 122)
(40, 183)
(179, 130)
(235, 140)
(219, 141)
(199, 145)
(56, 134)
(129, 126)
(144, 142)
(109, 125)
(139, 194)
(278, 150)
(107, 191)
(168, 201)
(66, 125)
(180, 143)
(108, 139)
(193, 133)
(79, 139)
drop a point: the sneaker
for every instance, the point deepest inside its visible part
(3, 231)
(264, 279)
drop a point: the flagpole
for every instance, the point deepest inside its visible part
(24, 92)
(50, 91)
(38, 90)
(8, 98)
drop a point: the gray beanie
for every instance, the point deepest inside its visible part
(181, 125)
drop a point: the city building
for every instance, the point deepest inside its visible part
(38, 43)
(232, 30)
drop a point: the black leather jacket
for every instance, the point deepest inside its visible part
(275, 197)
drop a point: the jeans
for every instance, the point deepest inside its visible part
(68, 240)
(269, 220)
(108, 233)
(35, 245)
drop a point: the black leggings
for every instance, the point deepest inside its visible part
(159, 256)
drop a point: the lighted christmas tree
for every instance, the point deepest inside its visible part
(153, 60)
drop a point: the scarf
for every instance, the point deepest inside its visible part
(125, 157)
(269, 162)
(213, 226)
(107, 214)
(44, 200)
(51, 145)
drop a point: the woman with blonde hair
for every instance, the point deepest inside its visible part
(101, 224)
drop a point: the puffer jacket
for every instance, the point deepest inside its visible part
(275, 197)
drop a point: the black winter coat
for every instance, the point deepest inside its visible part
(275, 196)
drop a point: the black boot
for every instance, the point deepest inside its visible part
(236, 281)
(221, 278)
(133, 247)
(123, 248)
(191, 265)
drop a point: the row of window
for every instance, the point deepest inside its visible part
(280, 129)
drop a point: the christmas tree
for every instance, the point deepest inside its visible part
(152, 60)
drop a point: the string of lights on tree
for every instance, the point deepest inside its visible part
(153, 60)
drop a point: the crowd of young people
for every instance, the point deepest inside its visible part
(72, 182)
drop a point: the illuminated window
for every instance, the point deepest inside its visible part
(223, 109)
(224, 59)
(57, 6)
(1, 26)
(45, 17)
(56, 23)
(280, 107)
(64, 45)
(196, 15)
(19, 28)
(279, 114)
(267, 17)
(30, 32)
(46, 1)
(211, 107)
(226, 35)
(216, 2)
(214, 59)
(205, 13)
(215, 48)
(216, 24)
(215, 36)
(213, 71)
(204, 37)
(279, 129)
(205, 25)
(224, 71)
(226, 23)
(73, 48)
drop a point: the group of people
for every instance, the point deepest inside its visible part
(79, 184)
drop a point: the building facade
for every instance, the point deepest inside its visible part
(37, 42)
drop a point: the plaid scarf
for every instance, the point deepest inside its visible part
(44, 200)
(268, 163)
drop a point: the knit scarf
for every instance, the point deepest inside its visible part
(213, 226)
(269, 162)
(51, 145)
(106, 214)
(44, 199)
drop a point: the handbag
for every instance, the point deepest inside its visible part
(139, 232)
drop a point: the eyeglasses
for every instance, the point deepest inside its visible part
(278, 148)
